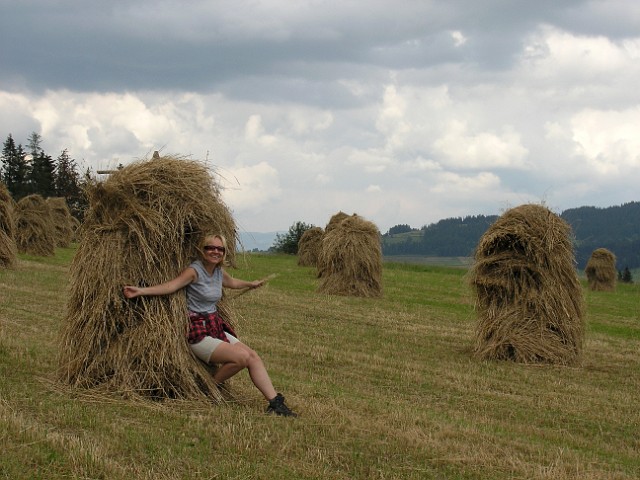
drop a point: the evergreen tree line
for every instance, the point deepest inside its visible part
(614, 228)
(30, 170)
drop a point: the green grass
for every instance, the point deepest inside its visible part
(386, 388)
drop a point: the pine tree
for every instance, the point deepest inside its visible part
(15, 169)
(35, 140)
(43, 175)
(67, 183)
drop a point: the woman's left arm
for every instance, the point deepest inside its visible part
(229, 282)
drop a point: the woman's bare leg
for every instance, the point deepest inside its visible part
(236, 357)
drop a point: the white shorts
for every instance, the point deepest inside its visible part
(204, 348)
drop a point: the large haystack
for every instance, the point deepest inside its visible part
(350, 260)
(335, 220)
(8, 250)
(63, 221)
(35, 230)
(142, 227)
(309, 247)
(527, 293)
(601, 270)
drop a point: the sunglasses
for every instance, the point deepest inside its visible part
(213, 248)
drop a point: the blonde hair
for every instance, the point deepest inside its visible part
(219, 236)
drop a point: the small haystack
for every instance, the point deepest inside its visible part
(143, 227)
(309, 247)
(35, 230)
(63, 221)
(350, 260)
(601, 270)
(8, 249)
(527, 293)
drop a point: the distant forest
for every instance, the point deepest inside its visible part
(614, 228)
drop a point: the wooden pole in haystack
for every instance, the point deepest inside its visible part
(8, 249)
(601, 270)
(350, 260)
(143, 227)
(309, 247)
(63, 221)
(528, 296)
(35, 230)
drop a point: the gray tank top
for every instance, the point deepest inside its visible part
(204, 293)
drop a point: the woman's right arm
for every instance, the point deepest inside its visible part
(185, 278)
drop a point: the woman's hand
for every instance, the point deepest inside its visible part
(131, 291)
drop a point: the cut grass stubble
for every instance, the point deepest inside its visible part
(386, 388)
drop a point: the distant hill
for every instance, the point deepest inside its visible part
(615, 228)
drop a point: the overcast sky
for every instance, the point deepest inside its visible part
(404, 112)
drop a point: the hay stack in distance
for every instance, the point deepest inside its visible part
(350, 260)
(335, 221)
(63, 221)
(143, 227)
(601, 270)
(35, 230)
(8, 250)
(309, 247)
(527, 293)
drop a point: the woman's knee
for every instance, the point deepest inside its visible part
(235, 354)
(242, 357)
(254, 358)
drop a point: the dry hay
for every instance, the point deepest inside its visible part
(335, 220)
(601, 270)
(75, 227)
(309, 247)
(35, 230)
(63, 221)
(350, 260)
(143, 227)
(8, 249)
(527, 293)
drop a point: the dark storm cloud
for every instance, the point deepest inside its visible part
(192, 46)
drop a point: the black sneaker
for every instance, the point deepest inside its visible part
(277, 406)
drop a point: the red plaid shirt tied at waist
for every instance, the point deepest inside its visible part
(207, 325)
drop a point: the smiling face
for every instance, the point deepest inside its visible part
(214, 249)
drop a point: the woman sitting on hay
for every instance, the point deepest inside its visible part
(212, 339)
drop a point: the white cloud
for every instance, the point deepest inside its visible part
(455, 184)
(556, 54)
(458, 38)
(254, 132)
(251, 188)
(371, 161)
(306, 121)
(608, 140)
(322, 179)
(420, 165)
(480, 150)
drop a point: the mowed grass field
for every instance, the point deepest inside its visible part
(386, 389)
